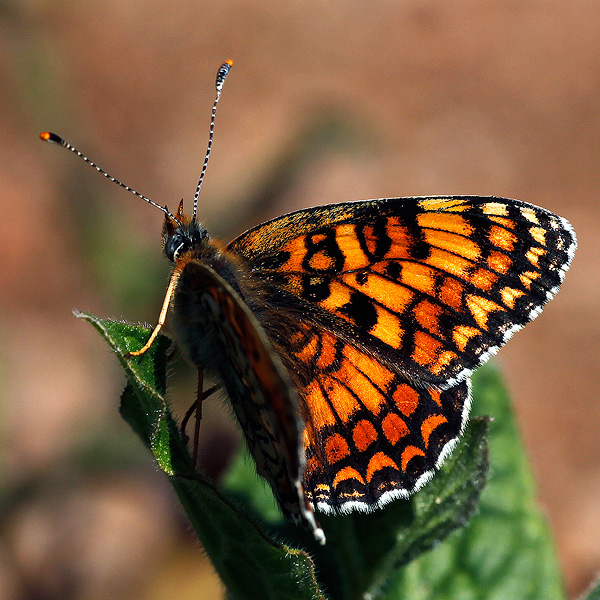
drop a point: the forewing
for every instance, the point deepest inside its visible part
(433, 285)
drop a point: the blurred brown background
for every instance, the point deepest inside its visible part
(327, 101)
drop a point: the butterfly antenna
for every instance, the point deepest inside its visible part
(221, 75)
(56, 139)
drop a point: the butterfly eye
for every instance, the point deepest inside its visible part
(175, 246)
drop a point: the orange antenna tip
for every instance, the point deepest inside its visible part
(221, 74)
(48, 136)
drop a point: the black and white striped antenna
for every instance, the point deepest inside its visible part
(48, 136)
(221, 74)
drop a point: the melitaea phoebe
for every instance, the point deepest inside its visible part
(345, 334)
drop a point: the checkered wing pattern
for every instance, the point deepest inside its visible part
(384, 308)
(371, 435)
(432, 285)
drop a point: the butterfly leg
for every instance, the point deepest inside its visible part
(192, 408)
(199, 400)
(196, 408)
(163, 314)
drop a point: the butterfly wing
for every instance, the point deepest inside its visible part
(383, 309)
(219, 331)
(371, 435)
(432, 285)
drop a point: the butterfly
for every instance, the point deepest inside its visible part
(345, 335)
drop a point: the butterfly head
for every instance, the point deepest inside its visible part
(181, 235)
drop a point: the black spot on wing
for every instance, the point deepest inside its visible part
(360, 310)
(323, 242)
(393, 270)
(419, 248)
(362, 277)
(314, 288)
(376, 244)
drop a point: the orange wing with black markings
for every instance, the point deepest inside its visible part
(380, 310)
(433, 285)
(370, 434)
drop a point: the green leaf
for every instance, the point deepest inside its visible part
(250, 562)
(242, 482)
(506, 550)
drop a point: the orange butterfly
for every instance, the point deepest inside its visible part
(345, 334)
